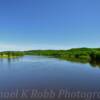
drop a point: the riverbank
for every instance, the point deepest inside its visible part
(83, 55)
(6, 56)
(11, 54)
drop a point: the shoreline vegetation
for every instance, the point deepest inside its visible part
(11, 54)
(79, 55)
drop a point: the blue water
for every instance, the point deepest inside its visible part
(38, 72)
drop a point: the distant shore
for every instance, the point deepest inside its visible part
(83, 55)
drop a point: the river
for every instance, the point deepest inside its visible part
(44, 73)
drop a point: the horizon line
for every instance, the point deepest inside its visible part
(50, 49)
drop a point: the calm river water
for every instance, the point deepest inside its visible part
(29, 74)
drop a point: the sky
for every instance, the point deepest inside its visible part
(49, 24)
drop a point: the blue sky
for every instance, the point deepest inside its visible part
(49, 24)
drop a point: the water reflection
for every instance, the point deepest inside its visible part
(9, 60)
(93, 63)
(1, 60)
